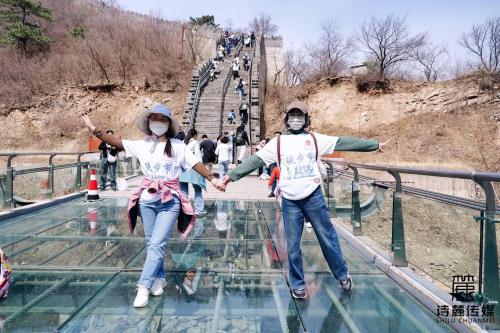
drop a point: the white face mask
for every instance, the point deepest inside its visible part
(159, 128)
(296, 122)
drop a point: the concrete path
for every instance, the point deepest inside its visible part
(248, 188)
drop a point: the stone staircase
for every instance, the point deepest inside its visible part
(208, 116)
(232, 100)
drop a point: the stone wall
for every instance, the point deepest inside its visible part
(275, 60)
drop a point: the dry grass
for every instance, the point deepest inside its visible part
(118, 47)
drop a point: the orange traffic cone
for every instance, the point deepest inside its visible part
(92, 220)
(92, 193)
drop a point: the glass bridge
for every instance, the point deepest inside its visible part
(76, 269)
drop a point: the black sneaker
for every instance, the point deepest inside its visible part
(346, 283)
(299, 293)
(271, 195)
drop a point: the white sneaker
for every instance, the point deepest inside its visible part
(157, 287)
(142, 298)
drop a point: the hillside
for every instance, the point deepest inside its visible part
(452, 124)
(44, 93)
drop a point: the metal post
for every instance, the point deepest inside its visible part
(51, 175)
(491, 287)
(330, 195)
(9, 184)
(356, 206)
(398, 236)
(78, 182)
(481, 254)
(9, 188)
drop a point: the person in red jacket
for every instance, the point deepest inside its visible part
(275, 176)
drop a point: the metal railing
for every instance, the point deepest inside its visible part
(203, 77)
(7, 179)
(250, 98)
(489, 282)
(225, 86)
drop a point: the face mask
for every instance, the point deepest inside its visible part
(158, 127)
(296, 122)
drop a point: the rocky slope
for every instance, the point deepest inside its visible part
(452, 123)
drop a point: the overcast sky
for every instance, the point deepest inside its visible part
(299, 21)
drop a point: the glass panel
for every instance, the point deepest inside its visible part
(32, 223)
(227, 276)
(65, 181)
(41, 301)
(198, 303)
(376, 217)
(339, 196)
(60, 252)
(32, 186)
(441, 239)
(216, 255)
(377, 305)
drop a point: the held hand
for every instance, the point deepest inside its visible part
(381, 146)
(218, 185)
(88, 122)
(226, 180)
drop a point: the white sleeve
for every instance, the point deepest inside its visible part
(133, 147)
(217, 149)
(326, 144)
(189, 159)
(269, 154)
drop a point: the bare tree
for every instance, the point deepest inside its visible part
(229, 25)
(262, 25)
(388, 42)
(297, 67)
(101, 59)
(329, 55)
(484, 41)
(430, 60)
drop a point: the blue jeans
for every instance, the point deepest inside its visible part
(315, 210)
(105, 166)
(223, 168)
(158, 219)
(198, 196)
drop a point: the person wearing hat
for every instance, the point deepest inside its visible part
(296, 153)
(159, 198)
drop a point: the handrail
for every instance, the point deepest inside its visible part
(250, 99)
(13, 155)
(203, 76)
(226, 85)
(461, 174)
(489, 292)
(7, 179)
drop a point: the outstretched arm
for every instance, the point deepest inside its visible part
(249, 165)
(106, 137)
(349, 143)
(202, 170)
